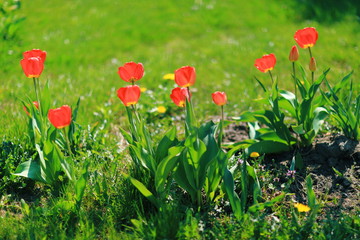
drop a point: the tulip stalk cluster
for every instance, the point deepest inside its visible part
(197, 163)
(51, 132)
(306, 109)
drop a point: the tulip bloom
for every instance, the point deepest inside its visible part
(185, 76)
(219, 98)
(35, 53)
(266, 63)
(306, 37)
(32, 66)
(129, 95)
(294, 54)
(60, 117)
(179, 96)
(131, 72)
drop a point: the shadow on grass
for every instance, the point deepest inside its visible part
(327, 11)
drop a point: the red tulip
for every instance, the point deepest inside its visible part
(179, 95)
(294, 54)
(312, 65)
(131, 71)
(36, 104)
(219, 98)
(32, 66)
(35, 53)
(129, 95)
(185, 76)
(266, 62)
(306, 37)
(60, 117)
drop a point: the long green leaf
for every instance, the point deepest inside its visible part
(234, 199)
(166, 166)
(310, 192)
(320, 114)
(144, 191)
(30, 169)
(267, 147)
(80, 184)
(168, 141)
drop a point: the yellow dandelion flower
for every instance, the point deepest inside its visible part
(161, 109)
(254, 154)
(143, 89)
(169, 76)
(301, 207)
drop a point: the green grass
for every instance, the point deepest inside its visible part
(87, 41)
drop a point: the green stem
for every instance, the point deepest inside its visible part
(312, 77)
(199, 198)
(271, 76)
(294, 74)
(191, 106)
(222, 113)
(310, 52)
(221, 124)
(135, 112)
(37, 95)
(67, 142)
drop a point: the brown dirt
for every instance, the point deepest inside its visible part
(328, 152)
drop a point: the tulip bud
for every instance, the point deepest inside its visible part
(219, 98)
(294, 54)
(312, 65)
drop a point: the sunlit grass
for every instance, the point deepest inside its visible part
(87, 42)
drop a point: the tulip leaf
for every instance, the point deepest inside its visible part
(144, 191)
(181, 177)
(126, 135)
(30, 169)
(81, 182)
(66, 167)
(310, 192)
(231, 194)
(319, 118)
(246, 117)
(166, 166)
(267, 147)
(299, 129)
(168, 141)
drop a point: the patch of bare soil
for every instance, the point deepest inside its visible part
(333, 162)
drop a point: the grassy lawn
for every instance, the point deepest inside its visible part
(86, 42)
